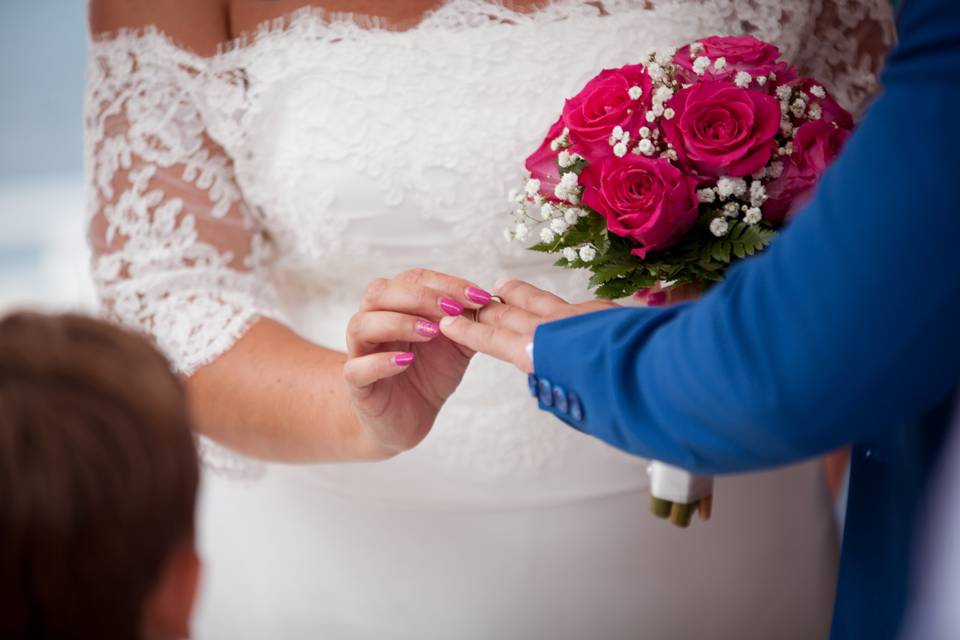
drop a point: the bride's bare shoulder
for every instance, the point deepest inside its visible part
(200, 26)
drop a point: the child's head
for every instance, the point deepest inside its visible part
(98, 483)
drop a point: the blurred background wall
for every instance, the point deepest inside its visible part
(43, 258)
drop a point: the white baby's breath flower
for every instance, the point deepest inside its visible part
(720, 64)
(646, 147)
(617, 133)
(719, 227)
(521, 231)
(644, 132)
(562, 141)
(651, 116)
(731, 210)
(570, 254)
(815, 112)
(635, 92)
(818, 91)
(784, 92)
(620, 149)
(762, 80)
(786, 127)
(706, 195)
(743, 79)
(798, 107)
(752, 216)
(662, 94)
(758, 193)
(559, 226)
(669, 113)
(760, 175)
(571, 216)
(658, 110)
(546, 235)
(533, 186)
(665, 56)
(568, 189)
(727, 187)
(563, 159)
(587, 253)
(547, 211)
(700, 65)
(655, 71)
(669, 154)
(696, 49)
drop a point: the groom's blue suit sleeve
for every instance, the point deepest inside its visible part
(849, 323)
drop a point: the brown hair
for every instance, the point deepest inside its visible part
(98, 476)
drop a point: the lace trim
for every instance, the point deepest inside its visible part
(162, 200)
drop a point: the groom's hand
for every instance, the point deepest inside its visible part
(505, 331)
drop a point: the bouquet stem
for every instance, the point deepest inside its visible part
(677, 494)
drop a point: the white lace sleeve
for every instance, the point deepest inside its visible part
(176, 252)
(849, 43)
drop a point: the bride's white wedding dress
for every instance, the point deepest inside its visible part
(280, 176)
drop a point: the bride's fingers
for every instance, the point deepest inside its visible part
(403, 297)
(506, 316)
(360, 373)
(529, 298)
(463, 291)
(500, 343)
(369, 329)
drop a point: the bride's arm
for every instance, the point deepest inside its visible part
(178, 255)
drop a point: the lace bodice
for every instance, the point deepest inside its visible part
(281, 175)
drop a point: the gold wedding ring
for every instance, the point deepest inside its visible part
(476, 312)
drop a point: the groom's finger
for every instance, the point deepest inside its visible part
(507, 316)
(529, 298)
(500, 343)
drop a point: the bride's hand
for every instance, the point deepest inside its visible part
(399, 368)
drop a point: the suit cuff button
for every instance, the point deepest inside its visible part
(560, 400)
(575, 407)
(534, 384)
(546, 393)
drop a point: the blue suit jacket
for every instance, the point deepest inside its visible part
(847, 330)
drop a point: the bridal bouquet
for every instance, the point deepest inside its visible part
(668, 171)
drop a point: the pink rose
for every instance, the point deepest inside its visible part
(647, 200)
(604, 104)
(723, 130)
(542, 164)
(741, 53)
(815, 147)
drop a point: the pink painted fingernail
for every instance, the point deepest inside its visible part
(427, 329)
(478, 296)
(643, 293)
(451, 307)
(657, 299)
(404, 359)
